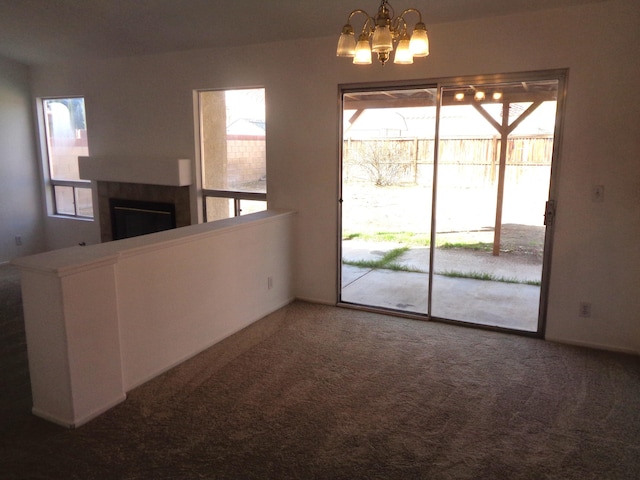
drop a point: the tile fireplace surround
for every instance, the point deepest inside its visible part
(178, 196)
(148, 180)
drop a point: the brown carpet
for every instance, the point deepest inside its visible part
(318, 392)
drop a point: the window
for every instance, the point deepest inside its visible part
(233, 152)
(65, 129)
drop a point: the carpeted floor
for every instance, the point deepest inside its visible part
(319, 392)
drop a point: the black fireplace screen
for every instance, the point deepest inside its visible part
(130, 218)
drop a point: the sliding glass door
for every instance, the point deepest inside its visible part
(493, 178)
(387, 171)
(444, 195)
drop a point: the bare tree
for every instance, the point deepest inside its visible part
(386, 162)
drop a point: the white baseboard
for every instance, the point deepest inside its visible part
(77, 422)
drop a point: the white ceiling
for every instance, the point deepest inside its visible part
(43, 31)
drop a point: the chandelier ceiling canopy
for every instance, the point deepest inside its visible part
(378, 35)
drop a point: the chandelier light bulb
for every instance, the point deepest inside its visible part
(346, 42)
(403, 54)
(382, 40)
(363, 51)
(420, 41)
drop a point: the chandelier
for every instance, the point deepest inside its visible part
(383, 30)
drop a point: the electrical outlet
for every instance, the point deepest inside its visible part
(584, 309)
(18, 240)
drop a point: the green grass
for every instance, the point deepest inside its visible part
(483, 246)
(487, 277)
(413, 239)
(406, 238)
(410, 239)
(387, 262)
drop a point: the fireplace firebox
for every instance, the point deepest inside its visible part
(131, 218)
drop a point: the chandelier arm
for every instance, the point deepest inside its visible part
(396, 29)
(359, 10)
(368, 22)
(410, 10)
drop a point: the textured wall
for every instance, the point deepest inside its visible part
(20, 196)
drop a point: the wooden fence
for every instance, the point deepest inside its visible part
(410, 161)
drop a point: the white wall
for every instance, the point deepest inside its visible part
(20, 200)
(62, 232)
(144, 106)
(201, 290)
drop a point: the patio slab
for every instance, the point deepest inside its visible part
(507, 265)
(501, 304)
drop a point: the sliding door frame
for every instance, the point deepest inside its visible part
(559, 75)
(360, 88)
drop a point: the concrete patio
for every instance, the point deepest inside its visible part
(494, 303)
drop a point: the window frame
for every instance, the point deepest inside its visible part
(206, 193)
(50, 183)
(237, 198)
(75, 185)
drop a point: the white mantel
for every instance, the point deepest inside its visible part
(147, 170)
